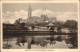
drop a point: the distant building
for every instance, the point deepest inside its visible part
(34, 19)
(10, 27)
(29, 12)
(44, 17)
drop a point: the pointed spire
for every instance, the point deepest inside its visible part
(29, 11)
(29, 7)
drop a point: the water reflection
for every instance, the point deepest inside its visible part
(21, 40)
(30, 42)
(72, 41)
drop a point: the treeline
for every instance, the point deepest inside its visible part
(72, 25)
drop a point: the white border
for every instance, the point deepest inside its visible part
(45, 0)
(36, 50)
(70, 1)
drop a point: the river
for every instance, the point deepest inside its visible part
(37, 42)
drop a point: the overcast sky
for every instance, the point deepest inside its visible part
(55, 7)
(19, 10)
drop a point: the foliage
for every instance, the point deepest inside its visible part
(59, 23)
(17, 22)
(71, 24)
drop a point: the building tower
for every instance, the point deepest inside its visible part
(29, 12)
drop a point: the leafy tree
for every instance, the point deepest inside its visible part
(71, 24)
(59, 25)
(17, 22)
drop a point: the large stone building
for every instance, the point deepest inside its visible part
(34, 19)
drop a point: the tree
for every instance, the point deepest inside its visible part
(71, 24)
(17, 22)
(59, 25)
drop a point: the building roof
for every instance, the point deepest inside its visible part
(50, 24)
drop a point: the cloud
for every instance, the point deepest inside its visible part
(12, 16)
(49, 13)
(39, 12)
(21, 14)
(67, 16)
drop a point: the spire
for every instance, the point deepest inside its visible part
(29, 11)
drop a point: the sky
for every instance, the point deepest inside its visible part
(13, 11)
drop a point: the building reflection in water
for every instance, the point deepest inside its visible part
(42, 41)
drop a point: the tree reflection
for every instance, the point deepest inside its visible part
(72, 41)
(21, 40)
(59, 38)
(7, 45)
(43, 41)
